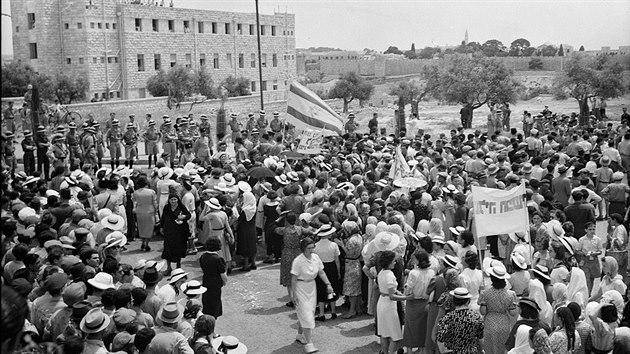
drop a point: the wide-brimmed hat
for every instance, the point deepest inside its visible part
(529, 302)
(193, 287)
(151, 276)
(221, 186)
(542, 271)
(562, 169)
(386, 241)
(326, 230)
(176, 275)
(519, 260)
(113, 222)
(604, 161)
(244, 186)
(165, 172)
(229, 179)
(617, 176)
(498, 272)
(282, 179)
(493, 170)
(451, 261)
(31, 179)
(213, 203)
(94, 321)
(102, 281)
(565, 242)
(170, 313)
(229, 345)
(293, 176)
(382, 183)
(516, 236)
(457, 230)
(116, 238)
(460, 293)
(438, 239)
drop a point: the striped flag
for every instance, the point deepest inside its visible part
(307, 111)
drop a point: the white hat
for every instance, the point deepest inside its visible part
(386, 241)
(213, 203)
(282, 179)
(113, 222)
(229, 345)
(176, 275)
(221, 186)
(566, 245)
(102, 281)
(94, 321)
(542, 271)
(438, 239)
(461, 293)
(293, 176)
(165, 172)
(116, 238)
(228, 178)
(457, 230)
(244, 186)
(326, 230)
(519, 260)
(26, 212)
(193, 287)
(381, 183)
(498, 272)
(451, 261)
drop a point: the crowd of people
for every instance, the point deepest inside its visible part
(343, 226)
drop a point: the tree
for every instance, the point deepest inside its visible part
(236, 86)
(585, 78)
(518, 47)
(413, 92)
(393, 50)
(411, 54)
(349, 87)
(204, 84)
(428, 52)
(157, 85)
(561, 51)
(16, 76)
(68, 89)
(548, 50)
(581, 48)
(535, 64)
(493, 48)
(476, 82)
(181, 82)
(471, 47)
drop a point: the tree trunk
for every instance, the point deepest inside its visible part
(414, 107)
(345, 105)
(584, 111)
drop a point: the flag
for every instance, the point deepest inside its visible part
(307, 111)
(400, 168)
(499, 211)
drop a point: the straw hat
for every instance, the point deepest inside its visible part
(438, 239)
(542, 271)
(457, 230)
(165, 172)
(451, 261)
(386, 241)
(566, 244)
(293, 176)
(102, 281)
(326, 230)
(113, 222)
(116, 238)
(244, 186)
(461, 293)
(282, 179)
(193, 287)
(213, 203)
(176, 275)
(519, 260)
(228, 178)
(229, 345)
(170, 313)
(94, 321)
(498, 272)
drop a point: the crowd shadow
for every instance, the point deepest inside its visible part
(372, 347)
(268, 311)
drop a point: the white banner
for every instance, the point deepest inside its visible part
(499, 211)
(310, 141)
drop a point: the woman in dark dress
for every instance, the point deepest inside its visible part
(246, 237)
(214, 277)
(175, 229)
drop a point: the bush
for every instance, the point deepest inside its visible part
(535, 64)
(533, 92)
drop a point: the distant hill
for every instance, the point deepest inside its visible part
(319, 49)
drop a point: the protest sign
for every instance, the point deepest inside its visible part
(499, 211)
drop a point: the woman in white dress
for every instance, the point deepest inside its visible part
(472, 278)
(163, 185)
(304, 269)
(387, 321)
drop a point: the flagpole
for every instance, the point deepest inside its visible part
(260, 77)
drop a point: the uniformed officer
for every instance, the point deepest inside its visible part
(151, 138)
(251, 122)
(9, 152)
(235, 126)
(88, 144)
(169, 137)
(29, 147)
(276, 124)
(72, 142)
(351, 125)
(134, 124)
(113, 138)
(262, 122)
(130, 140)
(59, 151)
(183, 135)
(100, 143)
(43, 144)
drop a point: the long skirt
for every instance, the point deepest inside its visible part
(330, 268)
(430, 346)
(416, 314)
(388, 323)
(246, 237)
(306, 293)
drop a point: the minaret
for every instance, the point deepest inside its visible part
(466, 37)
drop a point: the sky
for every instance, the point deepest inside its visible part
(354, 24)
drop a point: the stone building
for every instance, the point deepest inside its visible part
(119, 44)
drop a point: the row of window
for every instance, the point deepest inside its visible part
(216, 60)
(213, 27)
(103, 96)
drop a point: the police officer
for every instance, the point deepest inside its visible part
(151, 138)
(9, 152)
(251, 122)
(29, 147)
(113, 138)
(351, 126)
(130, 139)
(72, 142)
(183, 135)
(43, 144)
(276, 124)
(262, 122)
(169, 137)
(59, 151)
(235, 126)
(88, 144)
(100, 143)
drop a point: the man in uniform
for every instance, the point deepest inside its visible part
(351, 125)
(262, 122)
(183, 135)
(41, 140)
(205, 130)
(72, 142)
(29, 147)
(59, 151)
(373, 124)
(221, 154)
(100, 143)
(130, 139)
(9, 152)
(112, 139)
(169, 137)
(88, 144)
(235, 126)
(110, 122)
(151, 138)
(134, 124)
(251, 122)
(9, 117)
(276, 124)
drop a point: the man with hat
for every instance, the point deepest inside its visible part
(202, 147)
(47, 304)
(251, 123)
(59, 320)
(204, 126)
(9, 151)
(276, 124)
(151, 277)
(351, 126)
(88, 144)
(29, 147)
(42, 143)
(169, 138)
(184, 135)
(134, 124)
(94, 324)
(167, 339)
(113, 138)
(72, 141)
(561, 186)
(58, 151)
(100, 143)
(130, 139)
(262, 122)
(235, 126)
(151, 137)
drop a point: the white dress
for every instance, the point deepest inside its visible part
(473, 279)
(189, 202)
(386, 311)
(306, 271)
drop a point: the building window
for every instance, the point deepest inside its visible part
(157, 61)
(263, 62)
(252, 61)
(100, 26)
(113, 25)
(111, 59)
(118, 94)
(140, 62)
(155, 24)
(66, 26)
(263, 86)
(102, 60)
(239, 28)
(273, 30)
(106, 25)
(241, 60)
(79, 25)
(17, 28)
(186, 26)
(215, 61)
(96, 96)
(92, 25)
(275, 85)
(274, 60)
(228, 58)
(138, 24)
(227, 28)
(188, 60)
(214, 28)
(111, 94)
(202, 59)
(252, 28)
(253, 86)
(94, 60)
(31, 20)
(173, 60)
(200, 27)
(32, 49)
(171, 25)
(68, 60)
(81, 60)
(262, 30)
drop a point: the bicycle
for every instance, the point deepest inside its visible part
(67, 116)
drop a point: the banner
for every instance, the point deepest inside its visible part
(305, 110)
(498, 211)
(310, 141)
(399, 168)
